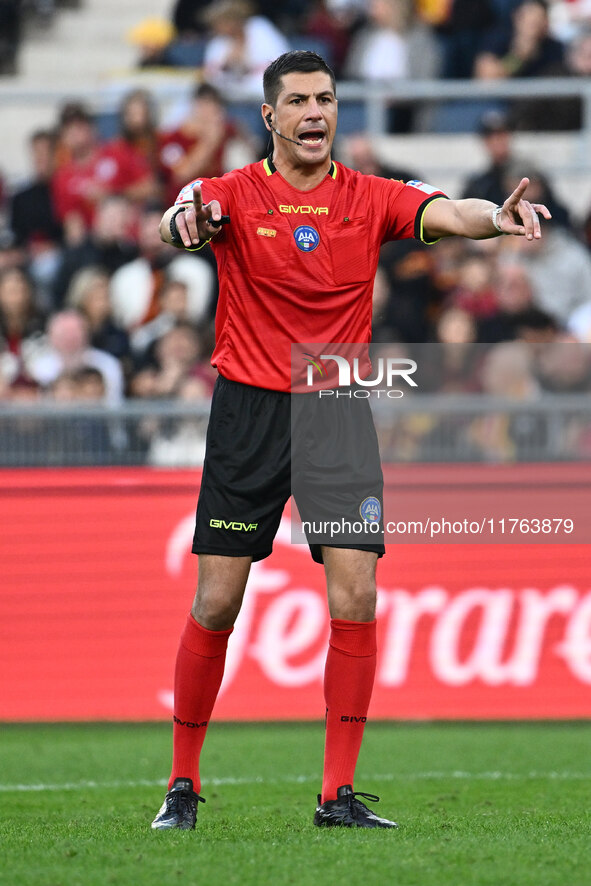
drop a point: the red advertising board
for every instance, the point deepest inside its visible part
(97, 577)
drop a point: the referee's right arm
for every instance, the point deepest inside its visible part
(191, 225)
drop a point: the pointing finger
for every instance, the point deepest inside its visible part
(197, 199)
(518, 193)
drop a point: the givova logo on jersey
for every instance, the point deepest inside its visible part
(306, 237)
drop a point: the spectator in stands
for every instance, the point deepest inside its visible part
(409, 267)
(182, 443)
(568, 18)
(564, 366)
(136, 286)
(536, 327)
(92, 172)
(135, 150)
(461, 26)
(88, 293)
(241, 45)
(91, 440)
(63, 389)
(563, 113)
(198, 146)
(495, 132)
(514, 296)
(152, 37)
(361, 155)
(455, 326)
(333, 24)
(475, 292)
(108, 245)
(187, 18)
(33, 219)
(579, 323)
(176, 358)
(21, 324)
(451, 367)
(529, 51)
(90, 385)
(74, 187)
(67, 349)
(379, 51)
(380, 298)
(11, 14)
(508, 372)
(174, 309)
(560, 273)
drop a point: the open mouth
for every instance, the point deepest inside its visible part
(312, 137)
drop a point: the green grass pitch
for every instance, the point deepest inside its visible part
(477, 804)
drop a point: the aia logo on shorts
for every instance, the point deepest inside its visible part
(306, 237)
(370, 509)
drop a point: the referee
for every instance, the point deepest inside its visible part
(296, 238)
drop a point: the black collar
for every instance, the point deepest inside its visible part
(272, 168)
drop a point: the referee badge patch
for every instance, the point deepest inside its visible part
(422, 186)
(370, 509)
(306, 237)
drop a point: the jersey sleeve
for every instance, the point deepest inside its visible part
(404, 207)
(211, 189)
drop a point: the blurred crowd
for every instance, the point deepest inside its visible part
(95, 308)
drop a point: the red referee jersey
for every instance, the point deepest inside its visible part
(298, 266)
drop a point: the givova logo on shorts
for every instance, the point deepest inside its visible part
(234, 525)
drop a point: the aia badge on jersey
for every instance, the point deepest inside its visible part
(370, 509)
(307, 238)
(421, 186)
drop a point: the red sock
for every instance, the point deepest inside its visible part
(348, 683)
(197, 678)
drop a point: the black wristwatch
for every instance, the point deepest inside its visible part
(176, 239)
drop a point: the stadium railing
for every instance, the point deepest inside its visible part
(420, 428)
(363, 105)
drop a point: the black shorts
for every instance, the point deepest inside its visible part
(263, 446)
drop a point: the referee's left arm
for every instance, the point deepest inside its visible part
(481, 219)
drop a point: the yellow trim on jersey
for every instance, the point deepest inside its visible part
(266, 166)
(333, 170)
(421, 232)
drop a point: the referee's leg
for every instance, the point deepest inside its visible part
(220, 589)
(201, 657)
(350, 662)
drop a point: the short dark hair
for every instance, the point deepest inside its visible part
(302, 61)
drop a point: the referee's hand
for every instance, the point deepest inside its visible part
(519, 216)
(194, 223)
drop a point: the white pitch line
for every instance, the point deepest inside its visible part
(303, 779)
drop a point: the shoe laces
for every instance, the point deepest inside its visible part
(179, 801)
(354, 803)
(372, 798)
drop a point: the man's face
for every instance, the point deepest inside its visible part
(306, 111)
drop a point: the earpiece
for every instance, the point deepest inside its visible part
(268, 118)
